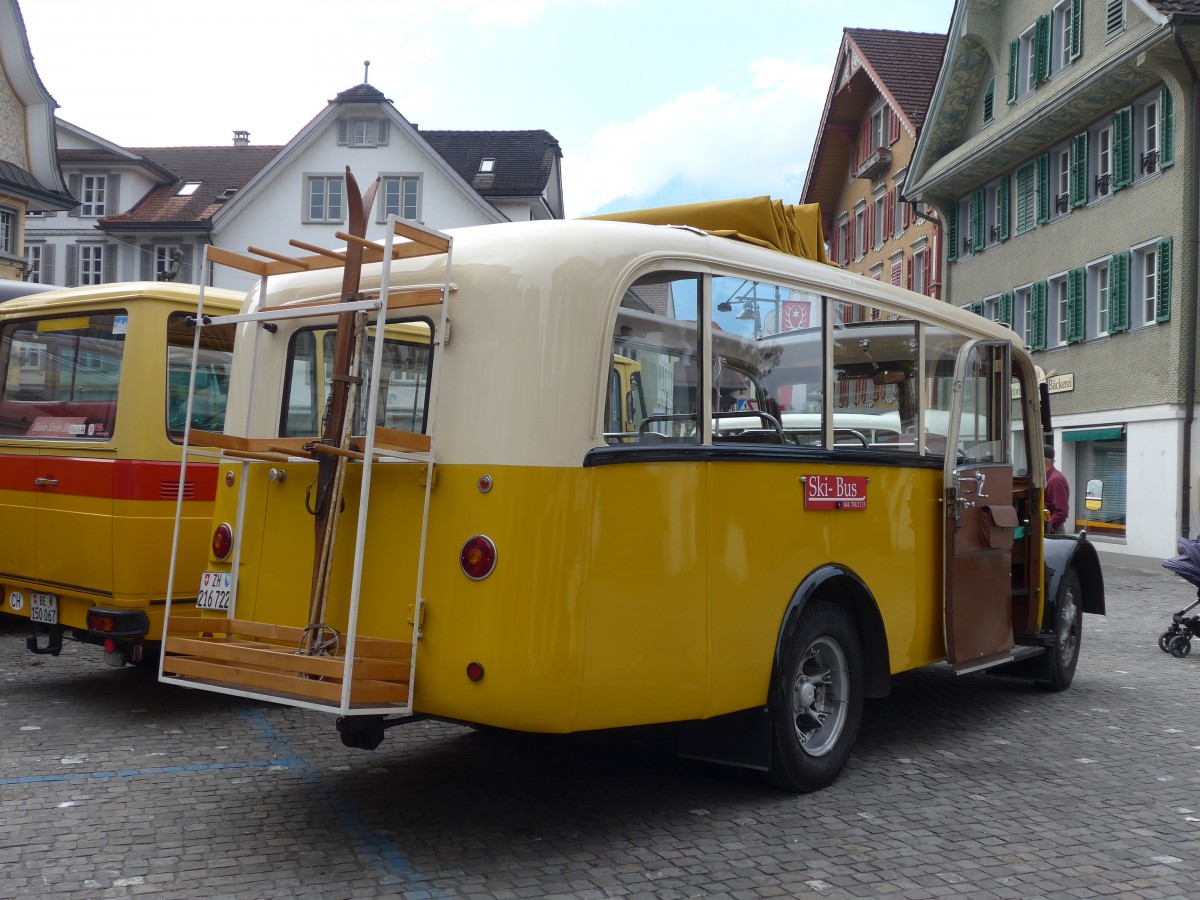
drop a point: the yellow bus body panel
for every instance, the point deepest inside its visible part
(622, 594)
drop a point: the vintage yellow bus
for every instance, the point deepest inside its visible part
(93, 392)
(630, 492)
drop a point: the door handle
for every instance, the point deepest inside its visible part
(42, 481)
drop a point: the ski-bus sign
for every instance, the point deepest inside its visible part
(835, 492)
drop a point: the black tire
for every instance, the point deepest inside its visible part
(816, 704)
(1181, 646)
(1164, 641)
(1068, 629)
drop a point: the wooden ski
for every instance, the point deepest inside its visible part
(337, 426)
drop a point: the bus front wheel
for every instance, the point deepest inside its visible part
(1068, 630)
(818, 700)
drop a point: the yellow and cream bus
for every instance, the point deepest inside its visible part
(93, 392)
(813, 482)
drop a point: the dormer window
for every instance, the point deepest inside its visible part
(362, 132)
(187, 189)
(487, 165)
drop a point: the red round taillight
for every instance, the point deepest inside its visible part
(474, 671)
(222, 542)
(478, 557)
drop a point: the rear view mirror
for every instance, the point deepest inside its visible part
(1093, 497)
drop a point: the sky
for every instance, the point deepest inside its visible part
(653, 102)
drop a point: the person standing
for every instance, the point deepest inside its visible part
(1058, 493)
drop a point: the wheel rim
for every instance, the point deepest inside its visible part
(819, 696)
(1068, 628)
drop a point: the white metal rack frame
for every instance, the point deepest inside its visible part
(259, 660)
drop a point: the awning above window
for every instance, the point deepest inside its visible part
(1107, 433)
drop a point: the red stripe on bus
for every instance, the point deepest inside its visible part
(118, 479)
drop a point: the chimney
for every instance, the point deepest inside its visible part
(241, 139)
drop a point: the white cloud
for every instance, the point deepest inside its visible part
(736, 144)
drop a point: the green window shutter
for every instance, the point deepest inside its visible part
(1076, 26)
(989, 101)
(1122, 148)
(1079, 169)
(1118, 293)
(976, 308)
(1002, 213)
(1014, 53)
(1025, 198)
(1076, 305)
(1162, 302)
(952, 232)
(978, 220)
(1037, 316)
(1006, 308)
(1043, 188)
(1166, 151)
(1041, 36)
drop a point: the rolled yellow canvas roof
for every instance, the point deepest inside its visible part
(793, 228)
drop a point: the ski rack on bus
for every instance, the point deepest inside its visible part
(260, 660)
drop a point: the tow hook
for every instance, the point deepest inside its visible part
(54, 638)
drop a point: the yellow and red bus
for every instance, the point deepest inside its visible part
(93, 392)
(815, 481)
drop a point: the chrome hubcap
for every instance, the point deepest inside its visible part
(819, 696)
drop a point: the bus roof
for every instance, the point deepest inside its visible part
(123, 291)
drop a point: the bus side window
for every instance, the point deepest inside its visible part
(658, 332)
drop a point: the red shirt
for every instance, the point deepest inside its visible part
(1058, 495)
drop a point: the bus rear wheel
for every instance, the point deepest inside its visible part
(818, 701)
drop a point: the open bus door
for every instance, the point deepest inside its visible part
(979, 515)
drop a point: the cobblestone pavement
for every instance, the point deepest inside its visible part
(114, 786)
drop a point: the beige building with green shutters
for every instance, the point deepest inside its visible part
(1058, 151)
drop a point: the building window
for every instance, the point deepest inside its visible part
(35, 259)
(93, 189)
(1097, 300)
(1021, 312)
(8, 230)
(843, 248)
(996, 203)
(400, 197)
(1064, 41)
(1114, 22)
(877, 220)
(324, 199)
(918, 270)
(362, 132)
(1026, 198)
(1102, 160)
(1060, 180)
(91, 263)
(896, 269)
(860, 230)
(487, 165)
(187, 189)
(1056, 305)
(877, 133)
(1145, 115)
(1143, 285)
(164, 259)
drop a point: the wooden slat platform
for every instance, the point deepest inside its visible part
(259, 656)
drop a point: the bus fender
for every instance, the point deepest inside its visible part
(842, 586)
(1066, 551)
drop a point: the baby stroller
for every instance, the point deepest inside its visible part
(1177, 639)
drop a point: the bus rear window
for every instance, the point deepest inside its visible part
(61, 375)
(212, 375)
(403, 398)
